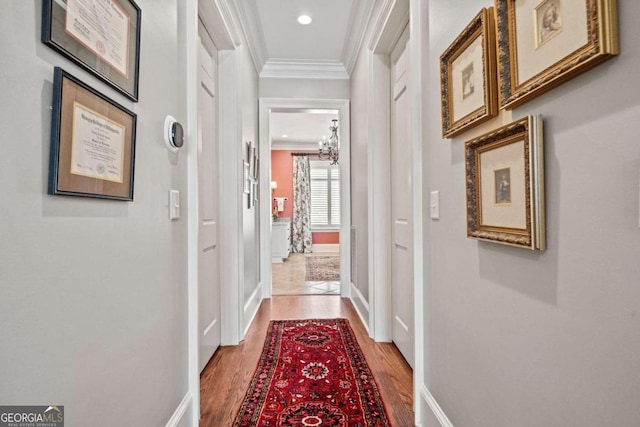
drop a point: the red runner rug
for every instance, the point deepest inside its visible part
(312, 373)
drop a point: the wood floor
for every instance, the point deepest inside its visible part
(224, 380)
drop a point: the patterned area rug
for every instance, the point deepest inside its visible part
(322, 269)
(312, 373)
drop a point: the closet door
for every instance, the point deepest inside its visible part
(208, 203)
(401, 208)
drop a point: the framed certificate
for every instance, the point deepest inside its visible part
(92, 142)
(102, 36)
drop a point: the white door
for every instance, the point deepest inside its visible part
(208, 251)
(402, 223)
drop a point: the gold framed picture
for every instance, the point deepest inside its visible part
(543, 43)
(468, 76)
(505, 185)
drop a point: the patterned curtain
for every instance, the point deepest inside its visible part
(301, 205)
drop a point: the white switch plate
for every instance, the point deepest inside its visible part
(435, 205)
(174, 204)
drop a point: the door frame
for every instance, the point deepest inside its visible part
(394, 16)
(266, 107)
(215, 20)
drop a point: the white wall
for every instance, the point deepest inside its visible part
(359, 169)
(359, 185)
(93, 307)
(251, 216)
(550, 338)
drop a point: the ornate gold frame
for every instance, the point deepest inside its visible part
(482, 25)
(602, 44)
(529, 130)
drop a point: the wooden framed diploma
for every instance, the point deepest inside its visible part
(92, 142)
(102, 36)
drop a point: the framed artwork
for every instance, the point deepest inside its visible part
(251, 200)
(468, 76)
(256, 195)
(249, 151)
(543, 43)
(505, 185)
(92, 142)
(102, 36)
(246, 181)
(253, 161)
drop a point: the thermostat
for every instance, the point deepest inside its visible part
(173, 134)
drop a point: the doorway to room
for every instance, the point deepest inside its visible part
(305, 204)
(317, 250)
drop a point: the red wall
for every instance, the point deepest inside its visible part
(282, 173)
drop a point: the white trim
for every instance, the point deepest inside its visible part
(226, 8)
(253, 33)
(176, 418)
(266, 105)
(217, 23)
(251, 307)
(359, 17)
(418, 71)
(358, 300)
(304, 69)
(389, 25)
(325, 247)
(295, 146)
(430, 402)
(189, 28)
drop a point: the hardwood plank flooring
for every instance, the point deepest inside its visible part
(224, 380)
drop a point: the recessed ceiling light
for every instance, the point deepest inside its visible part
(304, 19)
(285, 136)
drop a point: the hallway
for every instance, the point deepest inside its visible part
(224, 380)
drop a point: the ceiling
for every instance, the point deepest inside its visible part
(303, 129)
(326, 48)
(283, 48)
(322, 39)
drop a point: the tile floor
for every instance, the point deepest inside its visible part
(288, 278)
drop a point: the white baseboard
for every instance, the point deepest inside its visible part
(328, 247)
(251, 307)
(432, 413)
(183, 408)
(360, 304)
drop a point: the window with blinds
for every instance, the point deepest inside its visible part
(325, 195)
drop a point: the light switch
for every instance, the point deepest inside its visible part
(174, 204)
(435, 205)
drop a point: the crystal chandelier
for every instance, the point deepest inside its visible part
(330, 150)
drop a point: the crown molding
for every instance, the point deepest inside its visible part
(359, 17)
(294, 146)
(219, 22)
(253, 32)
(392, 15)
(304, 69)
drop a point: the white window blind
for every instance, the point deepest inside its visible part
(325, 194)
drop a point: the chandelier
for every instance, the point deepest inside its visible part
(330, 150)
